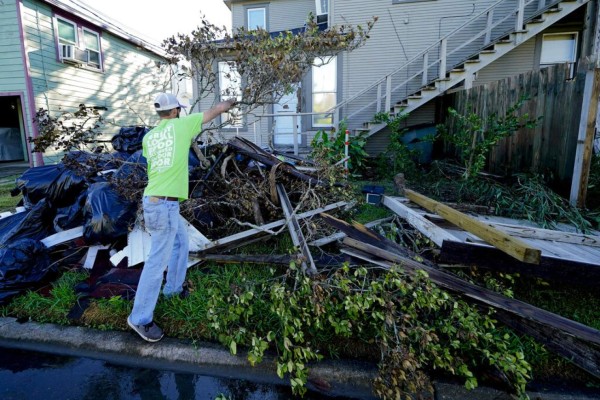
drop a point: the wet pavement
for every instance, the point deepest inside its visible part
(27, 375)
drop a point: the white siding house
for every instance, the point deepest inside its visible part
(419, 50)
(56, 55)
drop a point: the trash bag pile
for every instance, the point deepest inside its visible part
(232, 186)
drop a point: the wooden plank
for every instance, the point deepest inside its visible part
(570, 339)
(550, 267)
(417, 221)
(340, 235)
(308, 265)
(585, 138)
(233, 241)
(512, 246)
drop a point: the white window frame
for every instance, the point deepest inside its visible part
(232, 114)
(320, 10)
(99, 51)
(254, 9)
(332, 62)
(79, 42)
(573, 59)
(58, 32)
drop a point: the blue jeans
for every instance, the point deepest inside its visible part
(169, 246)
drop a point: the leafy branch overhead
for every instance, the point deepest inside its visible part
(261, 66)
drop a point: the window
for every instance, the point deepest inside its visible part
(558, 48)
(257, 18)
(91, 41)
(78, 45)
(67, 32)
(322, 7)
(324, 90)
(230, 86)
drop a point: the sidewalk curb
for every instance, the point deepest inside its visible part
(333, 378)
(339, 378)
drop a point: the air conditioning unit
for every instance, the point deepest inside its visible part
(73, 54)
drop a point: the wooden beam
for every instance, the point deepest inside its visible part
(585, 138)
(308, 265)
(340, 235)
(553, 269)
(510, 245)
(529, 232)
(570, 339)
(419, 222)
(62, 237)
(239, 239)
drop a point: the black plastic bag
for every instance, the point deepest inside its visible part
(107, 214)
(33, 224)
(129, 138)
(24, 265)
(134, 167)
(59, 185)
(71, 216)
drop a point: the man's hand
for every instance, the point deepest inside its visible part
(218, 109)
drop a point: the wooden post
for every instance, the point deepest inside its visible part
(388, 93)
(443, 51)
(520, 16)
(425, 78)
(488, 29)
(585, 139)
(378, 98)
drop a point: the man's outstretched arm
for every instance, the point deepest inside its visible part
(217, 110)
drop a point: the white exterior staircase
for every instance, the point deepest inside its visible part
(480, 41)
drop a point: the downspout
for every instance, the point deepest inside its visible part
(39, 159)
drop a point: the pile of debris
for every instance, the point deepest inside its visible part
(240, 193)
(91, 201)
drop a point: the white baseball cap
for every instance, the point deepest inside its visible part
(166, 101)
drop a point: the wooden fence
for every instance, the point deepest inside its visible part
(550, 147)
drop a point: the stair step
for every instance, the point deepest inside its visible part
(428, 88)
(442, 79)
(458, 70)
(553, 10)
(491, 51)
(536, 21)
(475, 61)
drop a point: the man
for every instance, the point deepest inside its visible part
(166, 148)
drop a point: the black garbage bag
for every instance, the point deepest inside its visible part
(33, 224)
(71, 216)
(129, 138)
(96, 161)
(59, 185)
(107, 214)
(24, 265)
(133, 168)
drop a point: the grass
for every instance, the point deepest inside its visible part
(7, 202)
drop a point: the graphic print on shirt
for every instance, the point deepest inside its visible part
(161, 148)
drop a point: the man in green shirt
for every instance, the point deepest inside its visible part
(166, 148)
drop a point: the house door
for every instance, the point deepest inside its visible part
(12, 142)
(284, 125)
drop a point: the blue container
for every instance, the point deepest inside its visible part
(416, 138)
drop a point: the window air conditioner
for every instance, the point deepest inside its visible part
(73, 54)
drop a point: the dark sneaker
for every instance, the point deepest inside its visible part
(185, 291)
(149, 332)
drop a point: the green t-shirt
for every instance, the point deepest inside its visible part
(166, 147)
